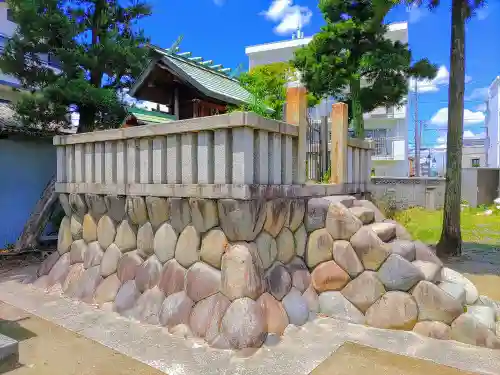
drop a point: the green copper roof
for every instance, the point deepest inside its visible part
(150, 116)
(210, 81)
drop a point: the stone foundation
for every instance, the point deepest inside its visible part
(237, 272)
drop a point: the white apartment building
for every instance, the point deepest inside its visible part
(388, 127)
(493, 124)
(7, 28)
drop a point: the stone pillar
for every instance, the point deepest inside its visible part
(296, 114)
(339, 143)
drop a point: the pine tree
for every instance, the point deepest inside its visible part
(352, 60)
(99, 51)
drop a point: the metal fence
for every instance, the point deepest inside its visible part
(317, 152)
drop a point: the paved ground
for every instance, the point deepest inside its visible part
(47, 349)
(301, 350)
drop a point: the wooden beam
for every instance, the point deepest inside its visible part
(339, 143)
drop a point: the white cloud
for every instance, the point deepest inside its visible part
(484, 12)
(441, 141)
(432, 85)
(479, 93)
(481, 107)
(415, 13)
(470, 117)
(289, 16)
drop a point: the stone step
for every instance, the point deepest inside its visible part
(9, 348)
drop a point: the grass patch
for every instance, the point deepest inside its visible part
(425, 225)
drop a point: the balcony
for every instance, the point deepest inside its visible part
(390, 148)
(386, 113)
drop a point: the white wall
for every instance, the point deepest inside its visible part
(6, 27)
(493, 124)
(26, 166)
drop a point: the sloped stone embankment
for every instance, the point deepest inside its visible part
(237, 273)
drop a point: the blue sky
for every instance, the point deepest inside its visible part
(221, 29)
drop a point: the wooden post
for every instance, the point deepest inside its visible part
(339, 143)
(296, 114)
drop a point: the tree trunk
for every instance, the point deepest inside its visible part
(451, 237)
(87, 119)
(357, 110)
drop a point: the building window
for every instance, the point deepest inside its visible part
(9, 15)
(475, 163)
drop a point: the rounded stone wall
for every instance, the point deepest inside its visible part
(237, 273)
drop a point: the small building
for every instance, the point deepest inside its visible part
(188, 86)
(492, 123)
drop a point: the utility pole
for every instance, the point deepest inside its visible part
(417, 133)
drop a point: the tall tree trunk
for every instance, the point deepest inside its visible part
(357, 110)
(451, 237)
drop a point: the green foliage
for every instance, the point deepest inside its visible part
(100, 51)
(351, 59)
(267, 84)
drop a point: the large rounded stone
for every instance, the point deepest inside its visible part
(345, 256)
(300, 237)
(301, 278)
(64, 201)
(404, 248)
(244, 324)
(148, 306)
(371, 250)
(241, 273)
(379, 217)
(60, 270)
(180, 214)
(295, 217)
(483, 314)
(107, 290)
(425, 253)
(401, 232)
(266, 248)
(126, 296)
(213, 246)
(176, 309)
(77, 251)
(64, 238)
(274, 314)
(76, 227)
(364, 290)
(319, 248)
(398, 274)
(127, 266)
(471, 294)
(286, 246)
(202, 281)
(431, 271)
(329, 276)
(315, 214)
(96, 205)
(385, 231)
(435, 304)
(106, 231)
(87, 284)
(335, 305)
(276, 213)
(116, 207)
(110, 259)
(187, 250)
(72, 280)
(164, 243)
(206, 317)
(340, 222)
(172, 277)
(469, 330)
(395, 310)
(296, 307)
(435, 330)
(89, 228)
(126, 239)
(48, 263)
(147, 274)
(364, 214)
(136, 210)
(311, 298)
(145, 240)
(457, 291)
(278, 281)
(241, 220)
(78, 204)
(158, 210)
(93, 255)
(204, 215)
